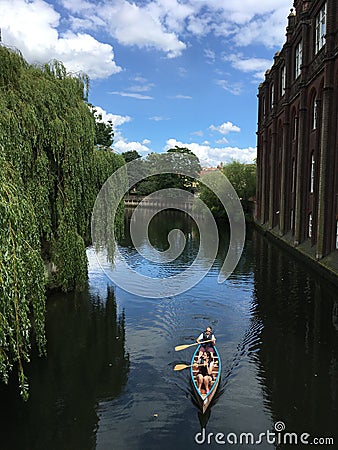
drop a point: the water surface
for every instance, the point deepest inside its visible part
(108, 381)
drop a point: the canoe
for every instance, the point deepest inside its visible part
(202, 397)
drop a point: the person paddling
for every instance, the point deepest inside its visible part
(207, 346)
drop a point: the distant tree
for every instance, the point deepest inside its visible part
(176, 167)
(208, 196)
(242, 177)
(130, 155)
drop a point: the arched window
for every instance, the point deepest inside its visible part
(312, 173)
(272, 95)
(320, 28)
(293, 179)
(314, 112)
(294, 126)
(283, 80)
(310, 226)
(298, 58)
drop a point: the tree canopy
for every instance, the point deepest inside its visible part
(130, 155)
(243, 179)
(50, 175)
(176, 167)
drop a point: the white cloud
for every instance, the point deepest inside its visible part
(182, 97)
(122, 146)
(33, 28)
(225, 128)
(247, 65)
(132, 95)
(212, 156)
(224, 140)
(158, 118)
(143, 26)
(234, 88)
(210, 55)
(116, 119)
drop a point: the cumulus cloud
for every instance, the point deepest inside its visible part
(121, 146)
(257, 66)
(161, 24)
(33, 28)
(212, 156)
(115, 119)
(225, 128)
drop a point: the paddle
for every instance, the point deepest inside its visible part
(182, 347)
(185, 366)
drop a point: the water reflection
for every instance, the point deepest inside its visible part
(298, 353)
(86, 362)
(108, 381)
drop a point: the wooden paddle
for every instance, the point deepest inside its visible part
(182, 347)
(185, 366)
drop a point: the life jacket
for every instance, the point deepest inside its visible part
(207, 337)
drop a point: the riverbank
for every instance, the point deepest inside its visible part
(326, 267)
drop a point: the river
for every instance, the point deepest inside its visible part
(108, 381)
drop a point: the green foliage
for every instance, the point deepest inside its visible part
(209, 197)
(104, 134)
(173, 179)
(130, 155)
(22, 281)
(50, 176)
(242, 177)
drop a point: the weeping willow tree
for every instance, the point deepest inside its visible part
(50, 175)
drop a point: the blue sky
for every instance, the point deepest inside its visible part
(167, 72)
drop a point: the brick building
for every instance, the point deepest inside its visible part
(297, 137)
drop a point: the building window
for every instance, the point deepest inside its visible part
(291, 219)
(310, 225)
(320, 28)
(314, 113)
(263, 107)
(298, 58)
(295, 127)
(283, 80)
(337, 235)
(293, 180)
(272, 95)
(312, 174)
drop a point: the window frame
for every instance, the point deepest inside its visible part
(298, 58)
(283, 79)
(320, 28)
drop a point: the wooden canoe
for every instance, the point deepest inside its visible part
(204, 399)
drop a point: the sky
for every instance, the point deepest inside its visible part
(166, 72)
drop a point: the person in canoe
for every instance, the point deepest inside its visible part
(208, 346)
(205, 371)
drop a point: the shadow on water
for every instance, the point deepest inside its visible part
(86, 362)
(297, 357)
